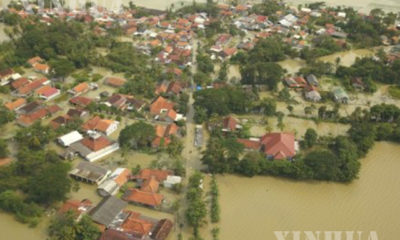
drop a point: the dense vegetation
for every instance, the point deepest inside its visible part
(137, 136)
(37, 179)
(321, 158)
(196, 211)
(65, 227)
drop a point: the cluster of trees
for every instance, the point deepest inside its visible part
(258, 65)
(205, 67)
(268, 8)
(221, 101)
(6, 115)
(138, 136)
(370, 69)
(365, 31)
(322, 46)
(196, 211)
(36, 180)
(214, 205)
(65, 227)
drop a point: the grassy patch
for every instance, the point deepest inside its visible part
(394, 91)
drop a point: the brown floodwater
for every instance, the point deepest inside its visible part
(252, 208)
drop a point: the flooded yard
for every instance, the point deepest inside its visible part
(298, 126)
(252, 208)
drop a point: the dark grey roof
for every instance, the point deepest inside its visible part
(89, 171)
(107, 210)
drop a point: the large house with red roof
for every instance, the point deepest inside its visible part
(277, 146)
(94, 147)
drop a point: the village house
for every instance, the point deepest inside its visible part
(312, 80)
(41, 68)
(26, 120)
(29, 88)
(80, 101)
(16, 104)
(5, 76)
(20, 82)
(79, 208)
(107, 211)
(340, 95)
(115, 81)
(105, 126)
(47, 92)
(80, 89)
(230, 124)
(89, 173)
(69, 138)
(163, 110)
(35, 60)
(276, 146)
(77, 113)
(114, 182)
(94, 147)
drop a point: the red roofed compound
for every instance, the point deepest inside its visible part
(35, 60)
(160, 105)
(140, 197)
(137, 226)
(147, 173)
(47, 92)
(80, 101)
(15, 105)
(79, 208)
(105, 126)
(279, 145)
(41, 68)
(30, 87)
(230, 124)
(80, 88)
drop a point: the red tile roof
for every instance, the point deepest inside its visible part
(81, 87)
(15, 104)
(150, 185)
(160, 175)
(279, 145)
(137, 226)
(28, 88)
(29, 119)
(250, 144)
(97, 124)
(80, 101)
(145, 198)
(230, 123)
(19, 83)
(96, 144)
(160, 104)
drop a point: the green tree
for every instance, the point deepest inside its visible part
(310, 138)
(51, 185)
(64, 227)
(137, 136)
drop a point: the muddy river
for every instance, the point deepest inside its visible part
(252, 208)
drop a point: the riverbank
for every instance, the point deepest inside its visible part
(252, 208)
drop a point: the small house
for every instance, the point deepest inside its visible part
(340, 95)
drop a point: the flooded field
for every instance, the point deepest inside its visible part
(299, 127)
(252, 208)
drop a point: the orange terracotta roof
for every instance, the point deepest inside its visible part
(32, 86)
(279, 145)
(31, 118)
(41, 67)
(96, 144)
(150, 185)
(15, 104)
(97, 124)
(81, 101)
(123, 177)
(136, 225)
(160, 175)
(146, 198)
(81, 87)
(159, 104)
(250, 144)
(158, 141)
(19, 83)
(34, 60)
